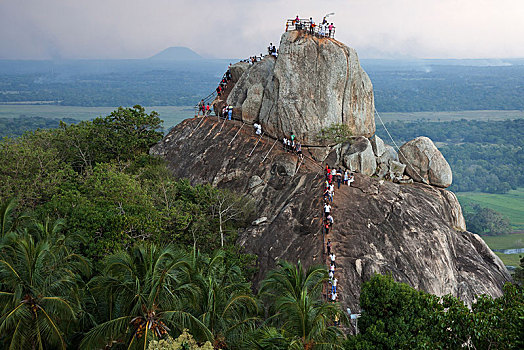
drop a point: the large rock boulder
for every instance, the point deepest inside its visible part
(425, 163)
(358, 156)
(237, 70)
(316, 83)
(415, 232)
(246, 96)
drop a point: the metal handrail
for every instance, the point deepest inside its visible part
(305, 24)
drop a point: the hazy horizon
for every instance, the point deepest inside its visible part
(377, 29)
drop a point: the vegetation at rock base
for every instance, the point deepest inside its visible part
(102, 248)
(396, 316)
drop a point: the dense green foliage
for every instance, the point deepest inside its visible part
(396, 316)
(486, 221)
(98, 177)
(485, 156)
(103, 248)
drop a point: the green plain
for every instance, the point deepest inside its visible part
(171, 115)
(510, 204)
(514, 240)
(510, 259)
(450, 116)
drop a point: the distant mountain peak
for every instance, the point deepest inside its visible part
(177, 53)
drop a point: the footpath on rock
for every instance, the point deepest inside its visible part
(396, 217)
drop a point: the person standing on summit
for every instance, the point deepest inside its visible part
(297, 23)
(330, 28)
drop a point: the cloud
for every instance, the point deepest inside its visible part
(240, 28)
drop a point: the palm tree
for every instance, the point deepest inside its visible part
(9, 223)
(39, 287)
(144, 291)
(294, 297)
(225, 302)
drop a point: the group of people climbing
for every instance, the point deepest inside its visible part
(339, 176)
(203, 107)
(227, 112)
(272, 50)
(225, 80)
(324, 29)
(291, 145)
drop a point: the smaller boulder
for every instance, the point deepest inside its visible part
(378, 145)
(396, 169)
(359, 156)
(388, 155)
(382, 170)
(424, 162)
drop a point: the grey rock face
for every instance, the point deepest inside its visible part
(425, 163)
(397, 169)
(237, 70)
(415, 232)
(316, 83)
(252, 103)
(246, 95)
(378, 145)
(388, 155)
(358, 156)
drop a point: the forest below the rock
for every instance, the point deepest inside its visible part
(102, 248)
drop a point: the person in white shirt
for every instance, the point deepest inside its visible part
(334, 288)
(330, 220)
(327, 209)
(332, 257)
(351, 179)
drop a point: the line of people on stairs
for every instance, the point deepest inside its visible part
(339, 176)
(291, 145)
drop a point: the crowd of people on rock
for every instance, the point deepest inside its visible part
(291, 145)
(203, 107)
(253, 59)
(227, 112)
(323, 29)
(339, 176)
(223, 83)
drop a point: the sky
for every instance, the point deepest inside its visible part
(88, 29)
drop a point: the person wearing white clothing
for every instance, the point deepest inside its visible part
(351, 179)
(334, 287)
(332, 257)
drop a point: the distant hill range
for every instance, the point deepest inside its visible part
(176, 53)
